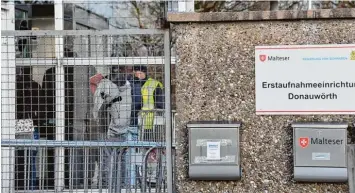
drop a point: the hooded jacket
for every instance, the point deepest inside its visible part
(119, 110)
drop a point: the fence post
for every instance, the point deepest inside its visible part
(167, 82)
(351, 167)
(8, 83)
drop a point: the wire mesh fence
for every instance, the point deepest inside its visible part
(132, 167)
(85, 111)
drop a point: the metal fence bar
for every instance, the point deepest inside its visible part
(8, 112)
(53, 143)
(100, 169)
(159, 172)
(351, 167)
(126, 61)
(36, 61)
(86, 169)
(83, 32)
(309, 4)
(59, 96)
(168, 133)
(85, 191)
(71, 171)
(119, 170)
(111, 172)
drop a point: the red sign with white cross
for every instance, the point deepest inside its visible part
(303, 142)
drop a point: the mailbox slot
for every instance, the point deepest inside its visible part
(320, 152)
(214, 150)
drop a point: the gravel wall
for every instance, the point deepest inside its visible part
(215, 81)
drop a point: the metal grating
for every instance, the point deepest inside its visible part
(73, 119)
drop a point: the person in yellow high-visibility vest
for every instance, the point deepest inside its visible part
(151, 96)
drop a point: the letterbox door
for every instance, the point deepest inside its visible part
(320, 147)
(227, 140)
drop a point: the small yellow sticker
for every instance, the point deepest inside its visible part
(352, 55)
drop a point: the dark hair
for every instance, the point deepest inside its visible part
(117, 68)
(23, 25)
(140, 68)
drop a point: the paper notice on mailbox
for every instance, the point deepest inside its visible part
(213, 150)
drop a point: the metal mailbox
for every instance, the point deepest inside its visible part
(214, 150)
(320, 152)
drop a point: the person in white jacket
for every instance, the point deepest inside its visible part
(112, 96)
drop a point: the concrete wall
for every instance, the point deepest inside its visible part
(215, 81)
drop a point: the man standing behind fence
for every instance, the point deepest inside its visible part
(114, 92)
(150, 94)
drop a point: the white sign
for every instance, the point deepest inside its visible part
(307, 79)
(321, 156)
(213, 150)
(24, 126)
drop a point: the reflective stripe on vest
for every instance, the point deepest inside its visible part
(148, 93)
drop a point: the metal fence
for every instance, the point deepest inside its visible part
(73, 119)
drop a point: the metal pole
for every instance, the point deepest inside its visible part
(168, 111)
(80, 32)
(309, 4)
(8, 101)
(76, 144)
(59, 96)
(351, 168)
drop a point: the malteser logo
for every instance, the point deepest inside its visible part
(262, 57)
(303, 142)
(352, 55)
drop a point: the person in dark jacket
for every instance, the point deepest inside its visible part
(136, 100)
(28, 94)
(28, 113)
(138, 81)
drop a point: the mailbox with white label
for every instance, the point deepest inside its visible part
(320, 152)
(214, 150)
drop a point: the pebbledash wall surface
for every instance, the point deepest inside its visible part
(216, 81)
